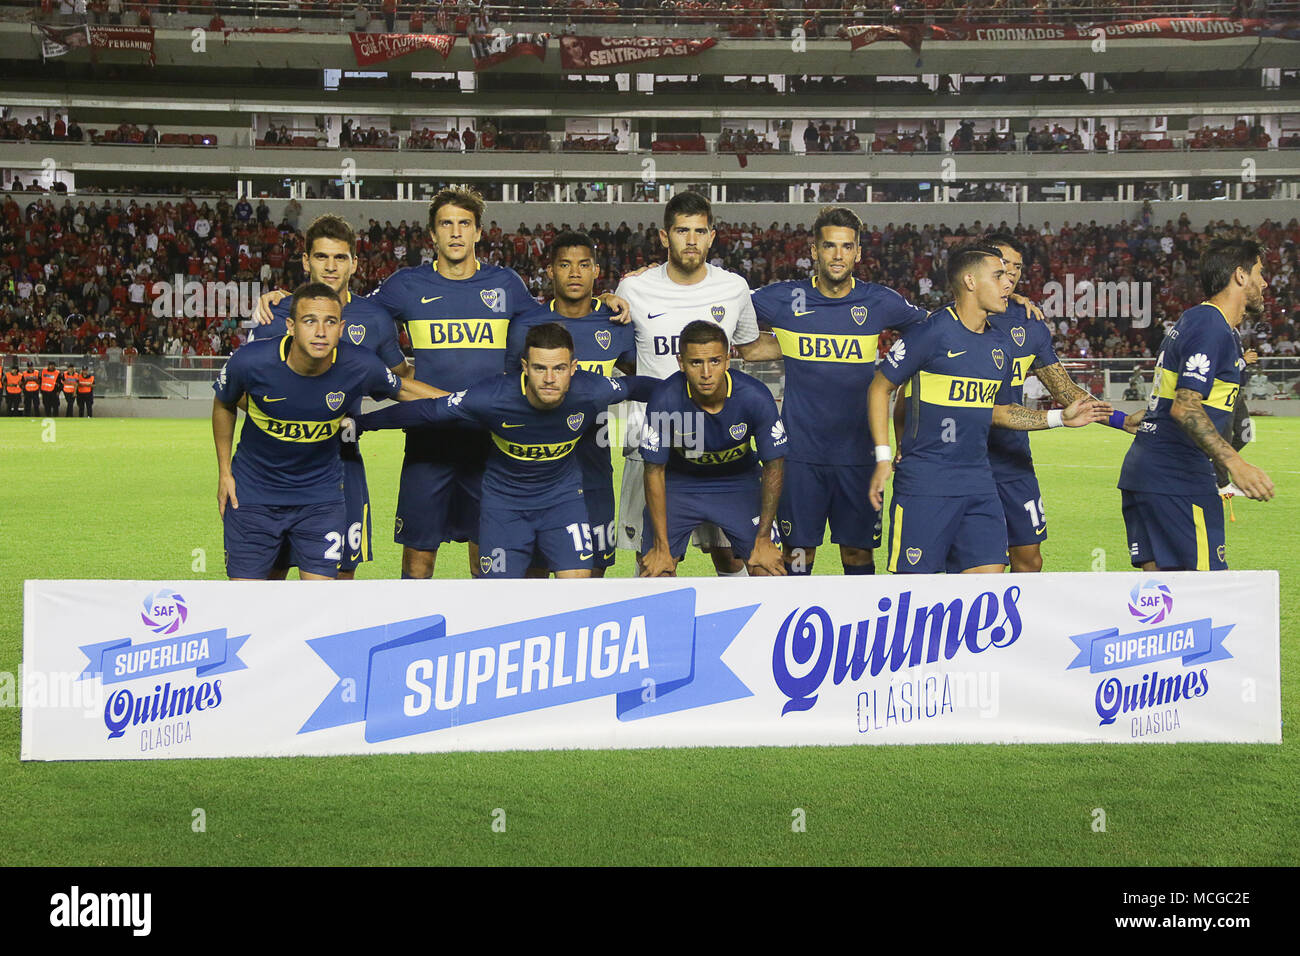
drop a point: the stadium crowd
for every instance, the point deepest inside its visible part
(76, 276)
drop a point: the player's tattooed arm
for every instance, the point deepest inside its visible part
(1057, 381)
(1188, 412)
(763, 349)
(223, 436)
(766, 556)
(659, 561)
(1082, 411)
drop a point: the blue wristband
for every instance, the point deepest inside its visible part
(1117, 419)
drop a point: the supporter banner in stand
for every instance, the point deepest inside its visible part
(143, 670)
(580, 53)
(58, 41)
(123, 38)
(371, 48)
(490, 49)
(1158, 28)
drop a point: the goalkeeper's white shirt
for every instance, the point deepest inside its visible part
(661, 308)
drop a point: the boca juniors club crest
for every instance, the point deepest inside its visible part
(738, 431)
(1018, 336)
(356, 334)
(719, 312)
(492, 298)
(913, 555)
(334, 400)
(485, 563)
(603, 338)
(575, 420)
(999, 359)
(785, 528)
(859, 313)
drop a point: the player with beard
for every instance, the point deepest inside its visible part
(1173, 514)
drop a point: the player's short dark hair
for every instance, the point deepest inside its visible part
(837, 217)
(700, 332)
(464, 197)
(1221, 259)
(1004, 239)
(964, 258)
(333, 227)
(687, 204)
(548, 335)
(569, 239)
(312, 290)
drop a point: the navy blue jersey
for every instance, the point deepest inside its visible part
(954, 378)
(712, 452)
(288, 452)
(365, 324)
(1201, 353)
(533, 465)
(830, 359)
(1031, 345)
(457, 326)
(598, 344)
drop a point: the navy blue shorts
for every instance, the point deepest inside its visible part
(600, 517)
(736, 513)
(1022, 502)
(437, 502)
(812, 494)
(255, 534)
(356, 526)
(1177, 532)
(931, 535)
(557, 537)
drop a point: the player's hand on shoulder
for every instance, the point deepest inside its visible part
(268, 299)
(226, 494)
(1033, 311)
(619, 306)
(1252, 481)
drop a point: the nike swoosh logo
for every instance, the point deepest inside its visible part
(952, 354)
(809, 312)
(355, 557)
(655, 315)
(607, 555)
(425, 301)
(1040, 531)
(584, 557)
(520, 425)
(269, 399)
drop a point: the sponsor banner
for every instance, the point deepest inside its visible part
(580, 53)
(371, 48)
(141, 670)
(490, 49)
(1159, 28)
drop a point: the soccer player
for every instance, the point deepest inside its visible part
(1009, 455)
(945, 513)
(287, 468)
(699, 464)
(329, 257)
(532, 487)
(1172, 512)
(663, 300)
(600, 347)
(827, 328)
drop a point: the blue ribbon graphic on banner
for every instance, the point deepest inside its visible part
(1196, 642)
(652, 654)
(208, 652)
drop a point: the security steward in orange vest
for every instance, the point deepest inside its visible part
(86, 393)
(13, 386)
(69, 389)
(50, 376)
(31, 390)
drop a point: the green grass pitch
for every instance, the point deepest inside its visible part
(134, 498)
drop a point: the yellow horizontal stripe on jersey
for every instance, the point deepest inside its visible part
(715, 457)
(602, 367)
(1020, 369)
(1223, 395)
(522, 452)
(956, 391)
(292, 431)
(458, 333)
(811, 347)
